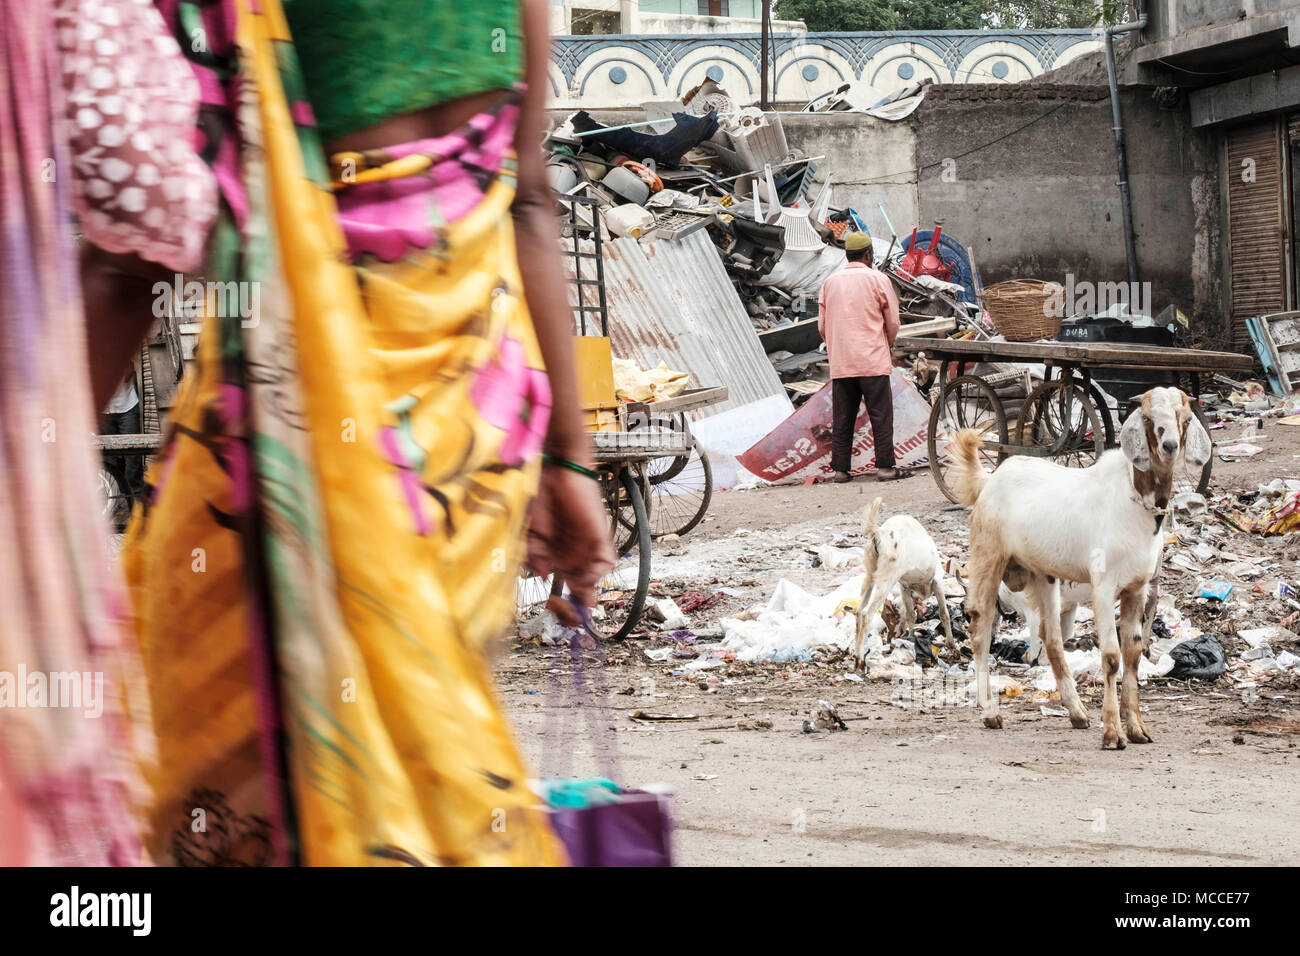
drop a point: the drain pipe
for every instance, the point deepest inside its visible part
(1121, 157)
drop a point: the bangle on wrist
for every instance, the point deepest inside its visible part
(570, 464)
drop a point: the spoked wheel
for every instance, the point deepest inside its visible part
(969, 402)
(116, 502)
(666, 469)
(1103, 409)
(1060, 414)
(680, 491)
(1202, 486)
(626, 525)
(622, 592)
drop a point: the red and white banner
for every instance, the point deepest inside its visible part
(800, 447)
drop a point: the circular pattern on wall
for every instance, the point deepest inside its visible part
(906, 71)
(1000, 69)
(617, 74)
(810, 72)
(714, 73)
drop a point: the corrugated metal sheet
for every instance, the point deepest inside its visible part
(671, 301)
(1257, 231)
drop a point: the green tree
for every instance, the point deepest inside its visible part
(1052, 14)
(823, 16)
(826, 16)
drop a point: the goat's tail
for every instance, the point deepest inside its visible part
(869, 550)
(967, 476)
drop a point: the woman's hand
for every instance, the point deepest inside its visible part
(568, 534)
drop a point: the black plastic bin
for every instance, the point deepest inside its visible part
(1121, 384)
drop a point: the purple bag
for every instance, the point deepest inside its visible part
(634, 829)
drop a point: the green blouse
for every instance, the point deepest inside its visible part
(367, 60)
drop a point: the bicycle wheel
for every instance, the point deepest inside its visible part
(969, 402)
(621, 593)
(678, 503)
(1062, 408)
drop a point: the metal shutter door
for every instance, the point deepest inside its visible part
(1256, 226)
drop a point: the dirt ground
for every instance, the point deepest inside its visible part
(925, 785)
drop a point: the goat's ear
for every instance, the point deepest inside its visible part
(1133, 441)
(1197, 447)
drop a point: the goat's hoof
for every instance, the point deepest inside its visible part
(994, 722)
(1139, 735)
(1110, 740)
(1081, 722)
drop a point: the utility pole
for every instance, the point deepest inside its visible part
(763, 42)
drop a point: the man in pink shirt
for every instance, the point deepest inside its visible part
(858, 318)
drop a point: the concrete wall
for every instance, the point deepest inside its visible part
(1042, 202)
(1167, 18)
(870, 161)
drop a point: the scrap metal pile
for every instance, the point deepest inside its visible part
(769, 210)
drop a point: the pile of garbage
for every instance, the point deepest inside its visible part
(702, 163)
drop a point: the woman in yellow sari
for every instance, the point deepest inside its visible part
(333, 528)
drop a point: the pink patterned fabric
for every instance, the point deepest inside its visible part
(131, 102)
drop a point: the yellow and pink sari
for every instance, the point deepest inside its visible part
(333, 528)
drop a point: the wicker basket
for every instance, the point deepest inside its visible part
(1018, 308)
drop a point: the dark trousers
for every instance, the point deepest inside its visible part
(130, 468)
(847, 395)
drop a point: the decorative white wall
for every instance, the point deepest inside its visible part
(608, 72)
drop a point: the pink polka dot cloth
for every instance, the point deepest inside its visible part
(131, 102)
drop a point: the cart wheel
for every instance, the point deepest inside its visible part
(533, 589)
(969, 402)
(116, 502)
(678, 503)
(622, 592)
(1062, 407)
(1202, 482)
(1107, 419)
(666, 469)
(626, 524)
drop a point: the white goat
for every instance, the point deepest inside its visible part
(1101, 524)
(897, 553)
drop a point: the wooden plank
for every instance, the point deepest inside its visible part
(929, 327)
(1084, 354)
(145, 444)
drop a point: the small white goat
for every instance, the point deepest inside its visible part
(1101, 524)
(1073, 593)
(897, 553)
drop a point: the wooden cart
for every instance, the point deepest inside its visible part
(1065, 417)
(655, 481)
(652, 477)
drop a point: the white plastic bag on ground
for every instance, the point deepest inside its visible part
(793, 621)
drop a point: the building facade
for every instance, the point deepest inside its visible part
(621, 71)
(1238, 64)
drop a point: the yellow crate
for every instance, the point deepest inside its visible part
(595, 371)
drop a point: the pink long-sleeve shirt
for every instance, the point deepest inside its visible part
(858, 318)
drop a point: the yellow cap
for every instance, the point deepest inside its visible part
(856, 241)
